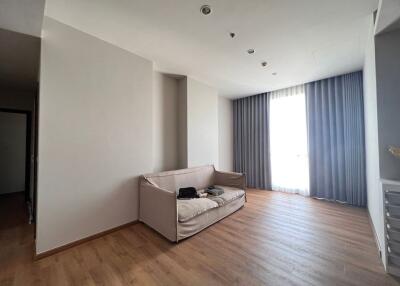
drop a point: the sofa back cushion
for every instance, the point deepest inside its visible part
(198, 177)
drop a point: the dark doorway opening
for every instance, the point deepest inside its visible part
(15, 146)
(19, 95)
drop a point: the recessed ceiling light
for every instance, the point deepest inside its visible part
(250, 51)
(264, 64)
(274, 73)
(205, 10)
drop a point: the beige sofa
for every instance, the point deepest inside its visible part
(179, 219)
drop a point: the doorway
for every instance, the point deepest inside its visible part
(17, 167)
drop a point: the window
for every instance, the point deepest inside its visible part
(288, 141)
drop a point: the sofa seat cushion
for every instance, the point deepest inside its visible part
(188, 209)
(230, 194)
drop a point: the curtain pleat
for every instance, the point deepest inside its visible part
(251, 143)
(335, 118)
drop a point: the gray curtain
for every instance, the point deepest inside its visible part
(251, 143)
(335, 112)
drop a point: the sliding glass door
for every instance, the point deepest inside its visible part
(288, 141)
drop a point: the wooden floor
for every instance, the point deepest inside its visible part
(276, 239)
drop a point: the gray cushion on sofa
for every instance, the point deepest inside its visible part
(188, 209)
(230, 194)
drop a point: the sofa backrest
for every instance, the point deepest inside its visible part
(198, 177)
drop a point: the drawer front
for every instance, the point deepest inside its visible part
(393, 235)
(393, 211)
(394, 223)
(394, 247)
(392, 198)
(394, 259)
(391, 188)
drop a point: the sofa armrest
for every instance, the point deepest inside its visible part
(158, 209)
(230, 179)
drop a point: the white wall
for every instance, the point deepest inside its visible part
(165, 122)
(374, 193)
(202, 124)
(225, 134)
(105, 118)
(12, 152)
(387, 51)
(169, 100)
(95, 135)
(182, 124)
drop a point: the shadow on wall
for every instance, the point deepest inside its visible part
(127, 188)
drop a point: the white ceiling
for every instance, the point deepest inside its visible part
(301, 40)
(19, 60)
(394, 26)
(20, 29)
(22, 16)
(388, 17)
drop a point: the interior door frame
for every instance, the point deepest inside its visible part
(28, 153)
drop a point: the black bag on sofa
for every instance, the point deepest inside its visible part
(187, 193)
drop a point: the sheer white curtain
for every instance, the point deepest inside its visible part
(288, 141)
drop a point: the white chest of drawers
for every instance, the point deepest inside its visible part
(391, 207)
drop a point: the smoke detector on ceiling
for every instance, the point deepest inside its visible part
(205, 10)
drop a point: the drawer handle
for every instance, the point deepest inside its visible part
(394, 192)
